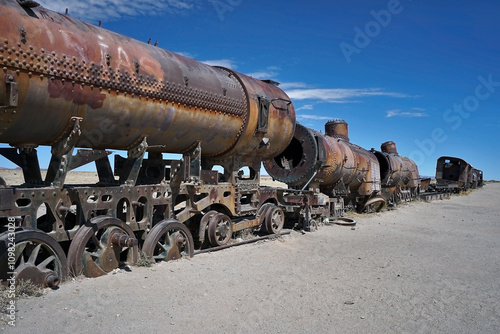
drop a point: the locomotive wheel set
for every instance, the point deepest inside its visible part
(77, 87)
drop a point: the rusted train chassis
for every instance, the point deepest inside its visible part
(93, 229)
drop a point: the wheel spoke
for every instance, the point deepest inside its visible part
(19, 251)
(164, 246)
(97, 242)
(34, 254)
(45, 262)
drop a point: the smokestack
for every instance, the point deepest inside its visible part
(337, 129)
(389, 147)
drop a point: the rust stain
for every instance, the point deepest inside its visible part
(213, 194)
(76, 94)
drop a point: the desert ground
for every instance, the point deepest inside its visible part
(15, 177)
(423, 268)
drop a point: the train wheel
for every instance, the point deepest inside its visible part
(203, 225)
(263, 210)
(275, 219)
(220, 229)
(375, 204)
(168, 240)
(262, 215)
(100, 246)
(37, 257)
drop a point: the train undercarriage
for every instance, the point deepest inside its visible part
(158, 208)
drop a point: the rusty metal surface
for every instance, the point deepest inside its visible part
(396, 170)
(432, 196)
(331, 160)
(389, 147)
(452, 172)
(125, 90)
(337, 129)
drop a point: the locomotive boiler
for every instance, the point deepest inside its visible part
(61, 74)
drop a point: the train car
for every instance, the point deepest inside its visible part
(456, 174)
(70, 85)
(400, 179)
(331, 164)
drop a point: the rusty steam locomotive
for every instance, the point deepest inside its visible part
(71, 85)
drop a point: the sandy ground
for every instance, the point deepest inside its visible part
(15, 177)
(424, 268)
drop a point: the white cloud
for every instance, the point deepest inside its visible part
(109, 10)
(290, 85)
(221, 62)
(339, 95)
(314, 117)
(269, 73)
(398, 112)
(305, 107)
(228, 63)
(262, 75)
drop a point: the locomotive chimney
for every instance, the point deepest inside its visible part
(389, 147)
(337, 129)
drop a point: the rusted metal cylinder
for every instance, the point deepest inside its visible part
(396, 170)
(334, 162)
(389, 147)
(123, 240)
(52, 280)
(56, 68)
(337, 129)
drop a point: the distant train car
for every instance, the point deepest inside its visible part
(456, 174)
(477, 178)
(400, 179)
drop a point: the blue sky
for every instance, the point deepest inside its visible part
(425, 74)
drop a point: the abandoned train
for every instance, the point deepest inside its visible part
(455, 174)
(68, 84)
